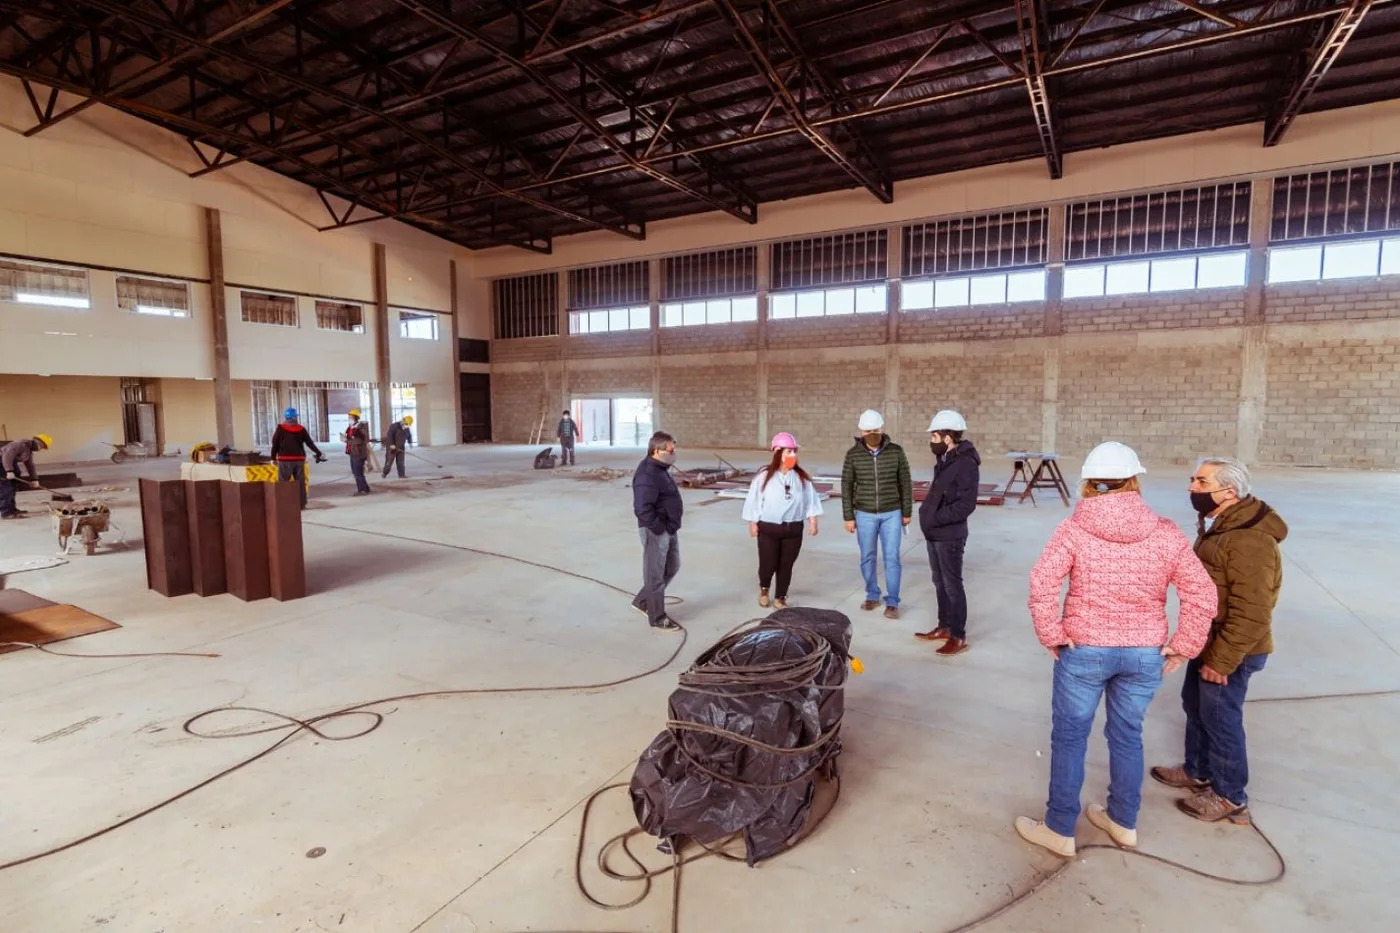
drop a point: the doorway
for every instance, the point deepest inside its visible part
(613, 422)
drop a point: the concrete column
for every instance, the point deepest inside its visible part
(561, 293)
(654, 300)
(382, 371)
(1055, 272)
(218, 301)
(894, 265)
(1254, 376)
(456, 354)
(1050, 398)
(765, 253)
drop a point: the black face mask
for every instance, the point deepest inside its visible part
(939, 448)
(1204, 502)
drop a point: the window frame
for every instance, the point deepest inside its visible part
(949, 292)
(1103, 271)
(702, 307)
(632, 311)
(243, 308)
(413, 316)
(778, 301)
(354, 330)
(46, 300)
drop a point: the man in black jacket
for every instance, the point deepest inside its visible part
(567, 432)
(943, 518)
(396, 441)
(658, 507)
(289, 443)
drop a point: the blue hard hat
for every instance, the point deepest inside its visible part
(289, 415)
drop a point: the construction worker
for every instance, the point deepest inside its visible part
(289, 443)
(12, 456)
(396, 439)
(357, 449)
(951, 498)
(567, 434)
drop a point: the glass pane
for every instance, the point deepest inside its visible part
(872, 299)
(950, 293)
(915, 296)
(1347, 260)
(1390, 257)
(811, 304)
(598, 322)
(574, 323)
(694, 312)
(782, 306)
(841, 301)
(1083, 281)
(641, 318)
(988, 289)
(671, 316)
(1126, 278)
(619, 319)
(1171, 275)
(744, 309)
(717, 311)
(1299, 264)
(1222, 270)
(1026, 286)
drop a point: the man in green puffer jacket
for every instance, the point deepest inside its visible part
(877, 502)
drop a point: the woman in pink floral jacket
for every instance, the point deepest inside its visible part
(1111, 639)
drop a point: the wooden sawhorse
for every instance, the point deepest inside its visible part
(1046, 475)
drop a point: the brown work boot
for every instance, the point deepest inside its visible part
(951, 647)
(763, 596)
(1210, 807)
(939, 634)
(891, 612)
(869, 604)
(1176, 776)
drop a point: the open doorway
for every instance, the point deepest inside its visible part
(612, 422)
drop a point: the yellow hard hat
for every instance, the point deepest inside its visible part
(44, 439)
(408, 419)
(354, 413)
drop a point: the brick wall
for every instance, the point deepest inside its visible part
(709, 406)
(1345, 392)
(527, 349)
(1338, 300)
(1210, 308)
(1171, 405)
(709, 338)
(625, 377)
(983, 322)
(515, 405)
(622, 343)
(819, 402)
(846, 330)
(999, 395)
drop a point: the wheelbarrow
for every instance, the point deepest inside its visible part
(81, 524)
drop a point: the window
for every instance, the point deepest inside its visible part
(973, 244)
(341, 316)
(40, 283)
(714, 311)
(1176, 273)
(162, 297)
(418, 325)
(606, 320)
(724, 273)
(962, 291)
(265, 308)
(1342, 260)
(855, 258)
(1168, 221)
(1336, 202)
(864, 299)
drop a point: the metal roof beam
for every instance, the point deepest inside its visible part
(1330, 42)
(1030, 23)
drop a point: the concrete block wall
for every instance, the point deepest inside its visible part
(515, 403)
(997, 387)
(622, 378)
(528, 349)
(982, 322)
(597, 346)
(1358, 299)
(835, 331)
(709, 338)
(1122, 313)
(819, 400)
(709, 404)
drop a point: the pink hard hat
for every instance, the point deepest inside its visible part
(783, 441)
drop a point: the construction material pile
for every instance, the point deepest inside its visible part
(752, 739)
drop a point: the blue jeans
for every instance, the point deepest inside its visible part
(1215, 749)
(945, 559)
(884, 528)
(1129, 677)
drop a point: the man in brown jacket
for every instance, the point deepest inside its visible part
(1237, 540)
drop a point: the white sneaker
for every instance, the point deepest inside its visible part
(1126, 838)
(1037, 833)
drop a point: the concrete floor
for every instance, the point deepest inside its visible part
(462, 814)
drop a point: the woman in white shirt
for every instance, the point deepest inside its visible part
(780, 499)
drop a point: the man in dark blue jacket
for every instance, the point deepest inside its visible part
(657, 504)
(943, 518)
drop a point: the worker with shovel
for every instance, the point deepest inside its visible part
(396, 441)
(357, 449)
(14, 455)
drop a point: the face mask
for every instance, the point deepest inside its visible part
(667, 458)
(789, 460)
(872, 439)
(1204, 502)
(939, 448)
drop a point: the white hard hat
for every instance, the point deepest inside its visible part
(1112, 460)
(870, 420)
(947, 420)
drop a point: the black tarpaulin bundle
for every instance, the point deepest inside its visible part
(752, 739)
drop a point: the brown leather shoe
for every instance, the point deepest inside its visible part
(951, 647)
(870, 604)
(1210, 807)
(939, 634)
(1176, 776)
(891, 612)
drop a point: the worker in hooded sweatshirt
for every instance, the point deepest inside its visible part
(14, 456)
(289, 444)
(396, 440)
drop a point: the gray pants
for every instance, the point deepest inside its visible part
(566, 452)
(661, 561)
(289, 471)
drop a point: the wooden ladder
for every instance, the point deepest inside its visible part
(537, 435)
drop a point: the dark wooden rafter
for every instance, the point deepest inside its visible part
(1330, 41)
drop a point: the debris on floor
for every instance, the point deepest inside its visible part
(603, 474)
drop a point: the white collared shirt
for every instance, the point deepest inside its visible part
(786, 498)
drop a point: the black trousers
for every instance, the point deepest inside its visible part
(566, 452)
(945, 559)
(289, 471)
(778, 547)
